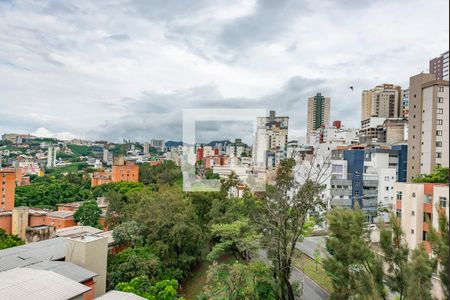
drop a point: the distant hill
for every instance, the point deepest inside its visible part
(214, 143)
(171, 144)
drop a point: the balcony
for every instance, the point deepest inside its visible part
(428, 208)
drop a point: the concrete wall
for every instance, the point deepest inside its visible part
(90, 252)
(19, 221)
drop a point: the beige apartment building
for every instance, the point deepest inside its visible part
(428, 123)
(318, 113)
(417, 207)
(383, 101)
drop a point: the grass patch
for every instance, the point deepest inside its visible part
(308, 266)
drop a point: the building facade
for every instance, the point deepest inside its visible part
(417, 206)
(428, 133)
(383, 101)
(439, 66)
(318, 112)
(365, 177)
(8, 189)
(270, 141)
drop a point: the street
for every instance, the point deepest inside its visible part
(311, 291)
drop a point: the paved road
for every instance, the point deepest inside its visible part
(310, 244)
(311, 291)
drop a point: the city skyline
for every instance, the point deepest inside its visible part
(127, 69)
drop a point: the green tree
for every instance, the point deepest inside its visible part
(354, 270)
(128, 233)
(285, 212)
(8, 241)
(142, 286)
(169, 226)
(131, 263)
(396, 253)
(239, 238)
(47, 191)
(419, 283)
(439, 175)
(239, 281)
(88, 213)
(439, 240)
(114, 212)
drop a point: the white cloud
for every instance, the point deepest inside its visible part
(70, 67)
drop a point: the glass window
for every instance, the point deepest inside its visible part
(443, 201)
(399, 196)
(440, 122)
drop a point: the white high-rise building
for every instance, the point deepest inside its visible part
(146, 147)
(51, 156)
(270, 141)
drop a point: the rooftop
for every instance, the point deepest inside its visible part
(117, 295)
(25, 283)
(66, 269)
(29, 254)
(61, 214)
(76, 231)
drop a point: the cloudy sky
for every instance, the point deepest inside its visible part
(127, 68)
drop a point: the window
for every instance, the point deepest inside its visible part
(412, 231)
(441, 100)
(440, 111)
(439, 132)
(427, 199)
(438, 155)
(425, 236)
(399, 213)
(439, 122)
(443, 201)
(413, 213)
(387, 188)
(413, 195)
(386, 178)
(441, 89)
(337, 168)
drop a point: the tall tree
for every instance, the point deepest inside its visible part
(396, 253)
(88, 213)
(114, 213)
(419, 283)
(239, 238)
(286, 209)
(439, 240)
(355, 271)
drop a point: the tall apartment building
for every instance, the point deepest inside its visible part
(146, 148)
(383, 101)
(270, 140)
(318, 112)
(405, 103)
(439, 66)
(8, 189)
(417, 207)
(51, 157)
(157, 144)
(366, 176)
(428, 123)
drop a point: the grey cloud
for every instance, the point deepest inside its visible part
(119, 37)
(160, 115)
